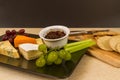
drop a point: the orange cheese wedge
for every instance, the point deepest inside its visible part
(20, 39)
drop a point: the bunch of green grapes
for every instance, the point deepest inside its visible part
(50, 57)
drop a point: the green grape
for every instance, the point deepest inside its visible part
(58, 61)
(68, 56)
(62, 54)
(52, 56)
(42, 48)
(40, 62)
(47, 62)
(42, 56)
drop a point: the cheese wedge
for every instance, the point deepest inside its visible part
(29, 51)
(7, 49)
(39, 41)
(20, 39)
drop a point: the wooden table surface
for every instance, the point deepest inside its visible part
(89, 68)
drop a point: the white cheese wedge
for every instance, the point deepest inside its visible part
(29, 51)
(7, 49)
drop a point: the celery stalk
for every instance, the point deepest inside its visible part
(82, 45)
(77, 43)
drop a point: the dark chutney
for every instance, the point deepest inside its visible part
(55, 34)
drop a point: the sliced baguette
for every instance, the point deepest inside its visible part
(103, 43)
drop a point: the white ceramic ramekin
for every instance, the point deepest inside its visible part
(55, 43)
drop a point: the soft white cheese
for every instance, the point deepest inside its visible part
(29, 51)
(29, 46)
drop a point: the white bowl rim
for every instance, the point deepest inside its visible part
(64, 28)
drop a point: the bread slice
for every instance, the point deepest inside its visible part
(103, 43)
(114, 41)
(7, 49)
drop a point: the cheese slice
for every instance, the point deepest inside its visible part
(7, 49)
(29, 51)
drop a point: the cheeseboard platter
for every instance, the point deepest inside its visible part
(61, 71)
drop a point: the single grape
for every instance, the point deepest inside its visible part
(68, 56)
(5, 37)
(42, 48)
(40, 62)
(21, 31)
(8, 32)
(47, 62)
(42, 56)
(11, 40)
(10, 36)
(13, 32)
(62, 54)
(14, 36)
(58, 61)
(52, 56)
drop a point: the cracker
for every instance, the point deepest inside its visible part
(118, 47)
(114, 41)
(103, 43)
(105, 33)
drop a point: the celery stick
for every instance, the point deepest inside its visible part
(77, 43)
(80, 46)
